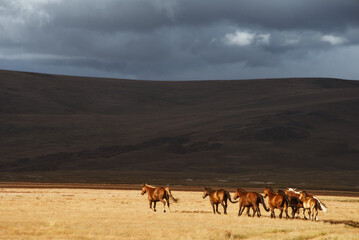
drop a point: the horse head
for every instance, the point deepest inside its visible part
(236, 195)
(267, 190)
(303, 195)
(143, 189)
(206, 192)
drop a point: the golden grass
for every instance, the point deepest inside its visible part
(125, 214)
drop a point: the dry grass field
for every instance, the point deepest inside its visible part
(34, 213)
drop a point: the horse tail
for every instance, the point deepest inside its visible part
(321, 205)
(168, 191)
(262, 201)
(289, 204)
(229, 197)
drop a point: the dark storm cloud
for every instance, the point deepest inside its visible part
(180, 39)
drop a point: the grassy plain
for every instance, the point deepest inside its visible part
(34, 213)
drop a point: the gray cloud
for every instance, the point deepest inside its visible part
(181, 39)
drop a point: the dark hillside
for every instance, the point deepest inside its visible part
(62, 125)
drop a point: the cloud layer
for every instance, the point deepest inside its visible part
(181, 39)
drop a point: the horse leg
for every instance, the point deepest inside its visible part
(164, 205)
(286, 213)
(316, 214)
(214, 211)
(217, 208)
(272, 215)
(249, 211)
(154, 206)
(294, 210)
(254, 211)
(168, 202)
(259, 211)
(304, 214)
(150, 204)
(241, 209)
(281, 212)
(224, 207)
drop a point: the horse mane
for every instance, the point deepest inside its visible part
(281, 192)
(241, 190)
(147, 185)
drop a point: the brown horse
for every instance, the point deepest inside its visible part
(311, 204)
(218, 197)
(249, 200)
(277, 200)
(156, 194)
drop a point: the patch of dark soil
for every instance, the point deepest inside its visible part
(323, 116)
(339, 149)
(282, 134)
(195, 147)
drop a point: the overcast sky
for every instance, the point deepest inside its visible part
(182, 39)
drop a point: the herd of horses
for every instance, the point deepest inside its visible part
(282, 200)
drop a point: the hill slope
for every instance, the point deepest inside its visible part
(60, 123)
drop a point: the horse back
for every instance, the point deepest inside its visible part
(277, 200)
(157, 194)
(292, 194)
(253, 197)
(219, 196)
(250, 198)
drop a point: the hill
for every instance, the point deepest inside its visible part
(64, 128)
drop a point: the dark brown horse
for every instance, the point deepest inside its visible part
(277, 200)
(295, 202)
(249, 200)
(218, 197)
(156, 194)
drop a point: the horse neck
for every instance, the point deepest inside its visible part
(271, 194)
(149, 190)
(241, 193)
(212, 193)
(304, 198)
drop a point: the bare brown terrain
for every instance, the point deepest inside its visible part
(281, 132)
